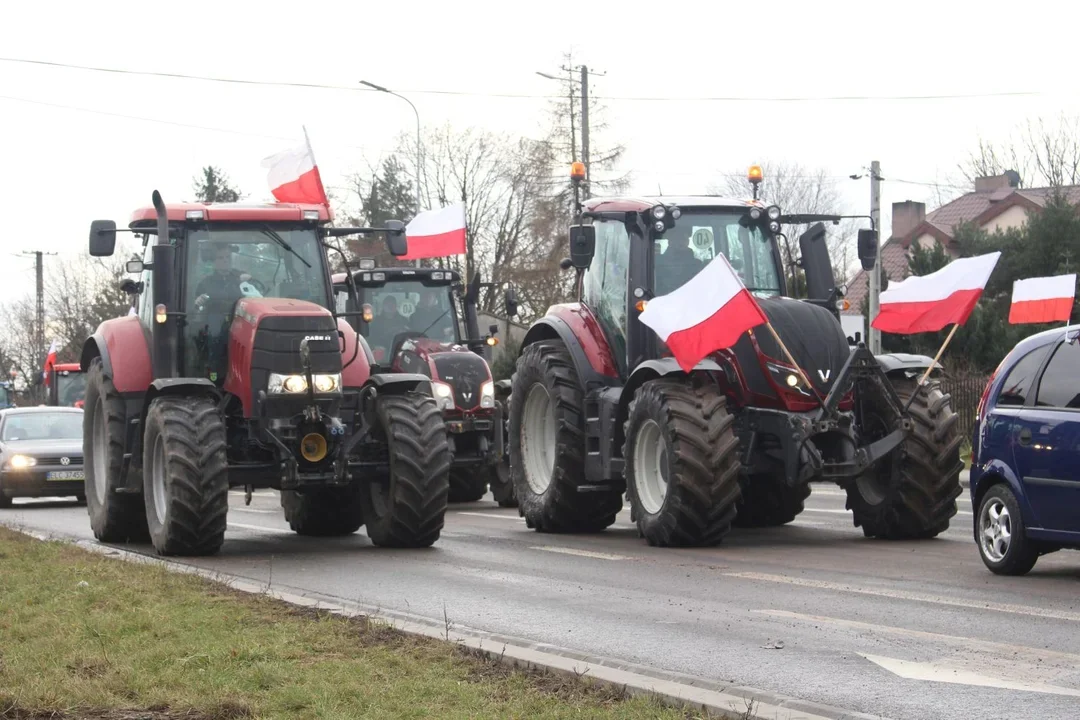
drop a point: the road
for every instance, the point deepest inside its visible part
(812, 610)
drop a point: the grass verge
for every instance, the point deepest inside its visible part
(85, 636)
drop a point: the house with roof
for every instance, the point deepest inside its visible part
(997, 203)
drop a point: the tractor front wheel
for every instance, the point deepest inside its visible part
(768, 501)
(468, 485)
(547, 446)
(185, 476)
(682, 464)
(500, 481)
(324, 512)
(911, 494)
(407, 508)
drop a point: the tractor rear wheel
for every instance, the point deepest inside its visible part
(407, 508)
(468, 485)
(547, 446)
(682, 464)
(911, 494)
(114, 517)
(768, 501)
(323, 512)
(186, 476)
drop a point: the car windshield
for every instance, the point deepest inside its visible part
(403, 306)
(70, 388)
(43, 426)
(696, 239)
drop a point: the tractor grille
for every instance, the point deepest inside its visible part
(277, 344)
(466, 372)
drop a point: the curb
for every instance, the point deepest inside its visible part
(678, 689)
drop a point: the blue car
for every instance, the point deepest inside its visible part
(1025, 463)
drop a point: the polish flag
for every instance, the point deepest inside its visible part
(1043, 299)
(50, 360)
(708, 313)
(294, 176)
(927, 303)
(436, 233)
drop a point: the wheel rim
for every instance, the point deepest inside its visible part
(538, 438)
(650, 467)
(995, 530)
(157, 479)
(101, 451)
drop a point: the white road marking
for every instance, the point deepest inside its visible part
(580, 553)
(497, 516)
(254, 510)
(257, 493)
(848, 512)
(936, 672)
(260, 528)
(898, 594)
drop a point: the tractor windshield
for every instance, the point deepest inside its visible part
(227, 262)
(697, 238)
(5, 397)
(407, 306)
(70, 388)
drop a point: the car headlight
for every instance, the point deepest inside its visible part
(787, 378)
(444, 395)
(295, 384)
(487, 395)
(21, 462)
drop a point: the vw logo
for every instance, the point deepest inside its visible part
(65, 461)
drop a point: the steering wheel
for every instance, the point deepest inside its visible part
(400, 338)
(257, 284)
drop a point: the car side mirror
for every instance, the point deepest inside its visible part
(582, 245)
(102, 238)
(396, 241)
(134, 267)
(511, 301)
(868, 248)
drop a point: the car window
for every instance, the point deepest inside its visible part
(43, 426)
(1020, 380)
(1060, 384)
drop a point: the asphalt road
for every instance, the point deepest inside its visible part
(812, 610)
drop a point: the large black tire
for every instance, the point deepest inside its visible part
(407, 508)
(768, 501)
(323, 512)
(687, 434)
(468, 485)
(114, 517)
(185, 476)
(912, 494)
(1020, 552)
(5, 501)
(500, 481)
(547, 490)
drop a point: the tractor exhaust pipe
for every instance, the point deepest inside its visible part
(164, 336)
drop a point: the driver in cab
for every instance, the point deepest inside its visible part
(429, 313)
(221, 288)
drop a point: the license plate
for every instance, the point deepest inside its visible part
(66, 475)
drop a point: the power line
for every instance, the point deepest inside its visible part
(466, 93)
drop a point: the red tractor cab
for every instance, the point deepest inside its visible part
(236, 372)
(67, 385)
(410, 318)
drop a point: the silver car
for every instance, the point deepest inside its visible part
(41, 453)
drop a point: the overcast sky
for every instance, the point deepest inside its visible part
(81, 145)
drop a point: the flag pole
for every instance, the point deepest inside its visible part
(791, 359)
(925, 375)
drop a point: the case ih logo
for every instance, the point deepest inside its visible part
(313, 338)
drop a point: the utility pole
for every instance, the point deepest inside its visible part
(39, 315)
(875, 275)
(585, 126)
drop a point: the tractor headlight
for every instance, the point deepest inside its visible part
(773, 212)
(659, 212)
(487, 395)
(786, 377)
(326, 383)
(444, 395)
(295, 384)
(21, 462)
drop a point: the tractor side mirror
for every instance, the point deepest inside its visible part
(511, 301)
(134, 267)
(102, 238)
(493, 329)
(566, 264)
(582, 245)
(396, 241)
(868, 248)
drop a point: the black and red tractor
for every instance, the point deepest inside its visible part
(67, 385)
(236, 372)
(410, 319)
(600, 408)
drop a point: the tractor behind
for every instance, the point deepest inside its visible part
(599, 407)
(67, 385)
(235, 372)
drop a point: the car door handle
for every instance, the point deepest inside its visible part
(1025, 437)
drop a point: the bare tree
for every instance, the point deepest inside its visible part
(1043, 155)
(797, 189)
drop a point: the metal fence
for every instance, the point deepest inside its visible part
(965, 391)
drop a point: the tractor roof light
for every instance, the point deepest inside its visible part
(194, 215)
(754, 174)
(311, 214)
(774, 212)
(676, 213)
(367, 263)
(577, 171)
(755, 213)
(659, 212)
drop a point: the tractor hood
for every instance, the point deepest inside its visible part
(453, 364)
(811, 333)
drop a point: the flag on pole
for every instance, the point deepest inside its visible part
(707, 314)
(927, 303)
(1043, 299)
(436, 233)
(50, 360)
(294, 177)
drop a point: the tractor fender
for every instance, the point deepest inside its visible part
(899, 363)
(181, 386)
(356, 357)
(579, 332)
(124, 348)
(651, 370)
(398, 383)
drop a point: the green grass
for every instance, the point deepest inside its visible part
(85, 636)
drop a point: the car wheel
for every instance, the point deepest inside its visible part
(1000, 534)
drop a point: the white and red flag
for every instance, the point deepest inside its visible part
(50, 360)
(436, 233)
(707, 314)
(1043, 299)
(927, 303)
(294, 177)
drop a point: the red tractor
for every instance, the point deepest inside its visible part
(236, 372)
(599, 407)
(410, 319)
(67, 385)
